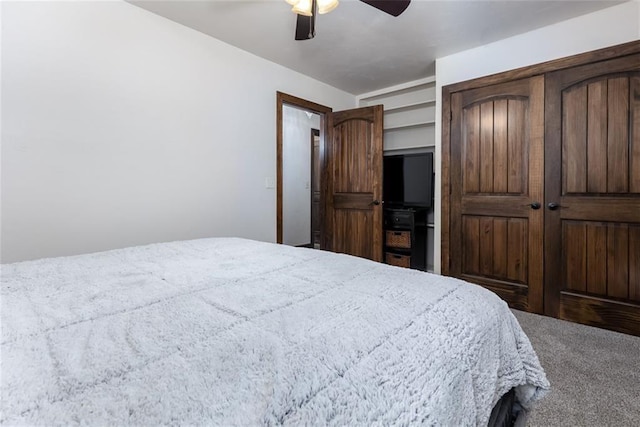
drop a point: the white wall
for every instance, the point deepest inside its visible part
(120, 127)
(296, 175)
(608, 27)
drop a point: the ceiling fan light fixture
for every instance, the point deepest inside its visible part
(303, 7)
(326, 6)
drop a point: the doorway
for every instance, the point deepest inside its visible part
(300, 142)
(350, 168)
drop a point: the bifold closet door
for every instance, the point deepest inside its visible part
(496, 172)
(592, 224)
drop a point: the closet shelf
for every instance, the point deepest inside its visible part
(410, 106)
(405, 149)
(416, 84)
(411, 125)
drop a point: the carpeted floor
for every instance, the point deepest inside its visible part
(594, 373)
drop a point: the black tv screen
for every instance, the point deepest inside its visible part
(408, 180)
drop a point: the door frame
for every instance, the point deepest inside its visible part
(322, 110)
(314, 133)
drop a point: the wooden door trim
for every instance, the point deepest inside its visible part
(552, 190)
(445, 174)
(322, 110)
(454, 184)
(536, 193)
(603, 54)
(314, 133)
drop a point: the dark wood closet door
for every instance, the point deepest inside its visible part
(496, 219)
(354, 179)
(593, 194)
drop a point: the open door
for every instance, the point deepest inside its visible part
(353, 202)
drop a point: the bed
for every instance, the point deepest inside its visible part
(236, 332)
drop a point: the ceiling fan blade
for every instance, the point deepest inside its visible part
(392, 7)
(305, 27)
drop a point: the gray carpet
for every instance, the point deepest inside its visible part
(594, 373)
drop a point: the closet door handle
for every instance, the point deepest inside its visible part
(553, 206)
(375, 202)
(535, 206)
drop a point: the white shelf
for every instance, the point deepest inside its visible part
(410, 106)
(412, 125)
(409, 150)
(427, 81)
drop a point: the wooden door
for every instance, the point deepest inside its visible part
(354, 182)
(593, 194)
(496, 174)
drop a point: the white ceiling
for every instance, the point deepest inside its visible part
(359, 49)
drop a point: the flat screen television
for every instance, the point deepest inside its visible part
(408, 180)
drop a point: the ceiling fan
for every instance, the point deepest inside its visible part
(307, 10)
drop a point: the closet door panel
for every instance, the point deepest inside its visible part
(596, 137)
(517, 145)
(618, 135)
(596, 262)
(496, 157)
(592, 195)
(500, 148)
(574, 140)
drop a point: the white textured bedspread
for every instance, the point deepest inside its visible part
(237, 332)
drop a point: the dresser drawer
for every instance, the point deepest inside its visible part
(397, 259)
(396, 218)
(398, 239)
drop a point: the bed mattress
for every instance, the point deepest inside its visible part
(238, 332)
